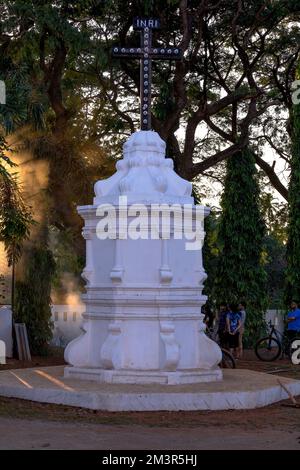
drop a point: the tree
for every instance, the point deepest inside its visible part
(15, 222)
(15, 214)
(229, 78)
(240, 273)
(275, 266)
(216, 94)
(33, 298)
(293, 245)
(275, 215)
(40, 44)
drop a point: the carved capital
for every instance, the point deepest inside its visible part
(87, 233)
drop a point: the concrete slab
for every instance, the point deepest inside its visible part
(240, 389)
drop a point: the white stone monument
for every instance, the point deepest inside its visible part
(143, 321)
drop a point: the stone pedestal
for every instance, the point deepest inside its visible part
(144, 286)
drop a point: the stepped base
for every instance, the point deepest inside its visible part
(144, 377)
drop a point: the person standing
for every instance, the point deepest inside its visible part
(293, 319)
(242, 310)
(222, 332)
(233, 325)
(208, 315)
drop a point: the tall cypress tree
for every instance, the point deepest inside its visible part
(292, 290)
(240, 272)
(32, 305)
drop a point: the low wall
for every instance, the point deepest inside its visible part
(6, 329)
(277, 318)
(67, 321)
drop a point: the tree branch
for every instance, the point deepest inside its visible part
(216, 158)
(275, 181)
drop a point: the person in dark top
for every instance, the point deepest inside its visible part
(293, 320)
(242, 310)
(208, 315)
(233, 325)
(222, 333)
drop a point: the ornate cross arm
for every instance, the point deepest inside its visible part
(146, 53)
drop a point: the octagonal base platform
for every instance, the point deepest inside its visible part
(239, 389)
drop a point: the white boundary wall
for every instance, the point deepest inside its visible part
(277, 318)
(67, 321)
(6, 329)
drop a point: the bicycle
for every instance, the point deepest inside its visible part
(228, 361)
(275, 345)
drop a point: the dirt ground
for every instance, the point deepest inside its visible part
(29, 425)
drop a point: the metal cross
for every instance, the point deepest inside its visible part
(146, 53)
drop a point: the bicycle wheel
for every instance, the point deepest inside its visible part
(268, 349)
(228, 361)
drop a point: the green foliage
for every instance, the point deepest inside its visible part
(32, 304)
(275, 215)
(21, 107)
(15, 217)
(5, 161)
(24, 100)
(273, 257)
(164, 103)
(211, 252)
(275, 265)
(69, 265)
(240, 274)
(292, 290)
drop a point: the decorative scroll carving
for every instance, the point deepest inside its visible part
(167, 334)
(110, 351)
